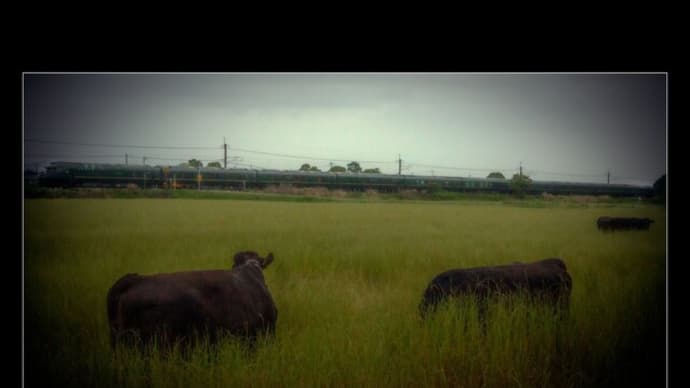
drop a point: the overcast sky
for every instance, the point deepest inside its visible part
(572, 127)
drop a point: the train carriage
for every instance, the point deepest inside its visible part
(314, 179)
(69, 174)
(577, 188)
(367, 181)
(206, 177)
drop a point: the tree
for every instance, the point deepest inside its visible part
(660, 186)
(519, 184)
(307, 167)
(183, 164)
(214, 164)
(354, 167)
(496, 175)
(373, 170)
(337, 169)
(195, 163)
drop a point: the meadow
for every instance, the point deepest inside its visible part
(347, 280)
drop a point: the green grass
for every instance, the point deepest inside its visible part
(347, 280)
(322, 194)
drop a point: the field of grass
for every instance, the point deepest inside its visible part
(347, 280)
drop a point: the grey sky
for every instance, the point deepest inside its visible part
(560, 126)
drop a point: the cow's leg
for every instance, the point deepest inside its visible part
(563, 306)
(113, 339)
(482, 312)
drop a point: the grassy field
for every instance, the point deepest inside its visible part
(347, 280)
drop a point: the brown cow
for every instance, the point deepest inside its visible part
(178, 306)
(547, 279)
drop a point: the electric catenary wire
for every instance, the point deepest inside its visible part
(408, 165)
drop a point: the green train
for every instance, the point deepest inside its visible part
(71, 174)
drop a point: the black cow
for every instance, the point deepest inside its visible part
(614, 223)
(546, 279)
(179, 306)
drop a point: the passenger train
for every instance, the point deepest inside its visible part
(72, 174)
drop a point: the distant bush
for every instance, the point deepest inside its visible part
(315, 191)
(337, 193)
(371, 193)
(408, 194)
(442, 195)
(548, 197)
(519, 185)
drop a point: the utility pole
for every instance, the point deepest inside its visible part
(399, 164)
(520, 169)
(144, 160)
(608, 177)
(225, 154)
(126, 159)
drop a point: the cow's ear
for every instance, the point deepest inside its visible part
(268, 260)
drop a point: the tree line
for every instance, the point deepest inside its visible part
(198, 164)
(351, 167)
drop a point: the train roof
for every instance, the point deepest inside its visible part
(100, 166)
(207, 169)
(592, 184)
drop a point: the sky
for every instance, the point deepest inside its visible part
(561, 127)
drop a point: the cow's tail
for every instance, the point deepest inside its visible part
(113, 300)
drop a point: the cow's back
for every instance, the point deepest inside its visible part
(547, 277)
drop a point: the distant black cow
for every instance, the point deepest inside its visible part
(181, 305)
(617, 223)
(546, 279)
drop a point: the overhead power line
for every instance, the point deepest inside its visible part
(42, 155)
(148, 157)
(309, 157)
(122, 145)
(201, 148)
(459, 168)
(566, 174)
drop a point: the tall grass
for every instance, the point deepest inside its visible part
(347, 281)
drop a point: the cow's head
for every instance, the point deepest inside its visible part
(242, 258)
